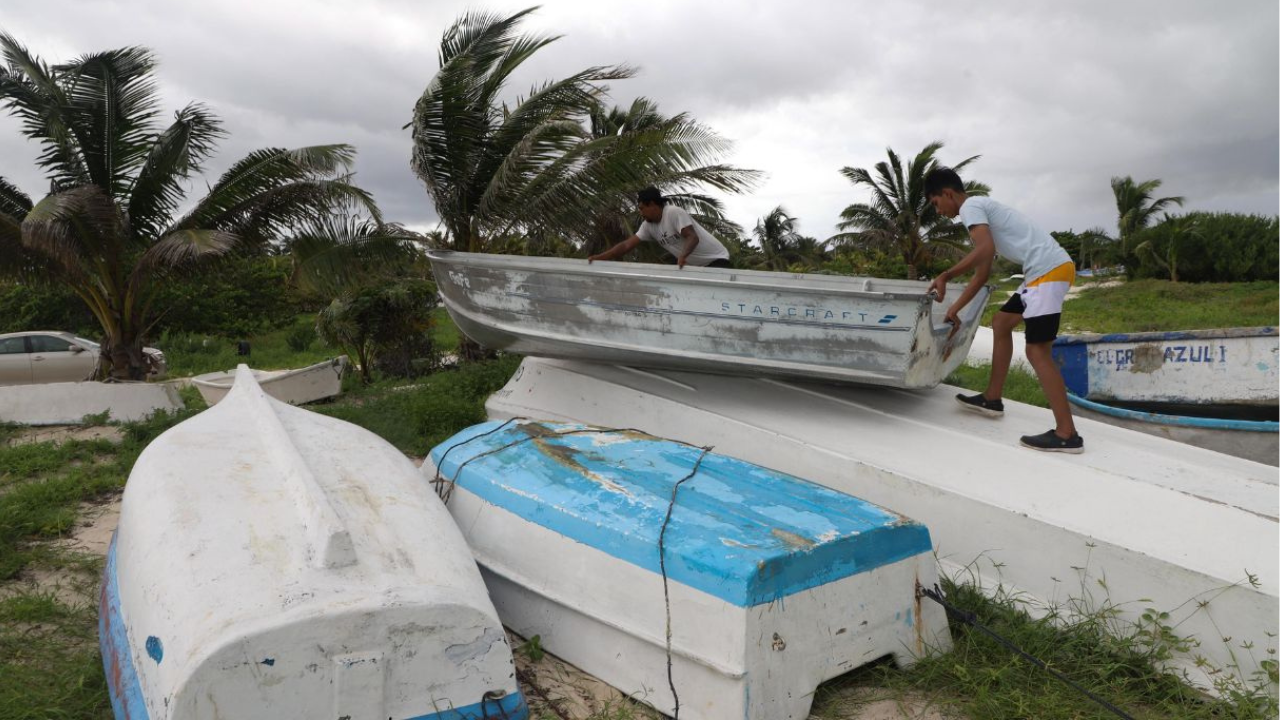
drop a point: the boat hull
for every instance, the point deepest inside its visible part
(1230, 366)
(772, 584)
(296, 387)
(273, 563)
(1164, 525)
(1248, 439)
(717, 320)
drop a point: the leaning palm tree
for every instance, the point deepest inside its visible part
(1135, 206)
(899, 217)
(493, 169)
(110, 227)
(680, 182)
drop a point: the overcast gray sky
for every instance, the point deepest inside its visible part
(1056, 97)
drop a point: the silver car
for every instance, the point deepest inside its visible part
(49, 356)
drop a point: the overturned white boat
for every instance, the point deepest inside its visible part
(298, 386)
(744, 322)
(687, 579)
(274, 563)
(1135, 522)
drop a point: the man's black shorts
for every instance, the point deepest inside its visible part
(1040, 329)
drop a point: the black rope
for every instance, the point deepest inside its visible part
(662, 563)
(969, 618)
(438, 480)
(494, 696)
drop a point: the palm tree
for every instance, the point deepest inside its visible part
(492, 169)
(899, 217)
(782, 246)
(679, 181)
(1135, 207)
(110, 229)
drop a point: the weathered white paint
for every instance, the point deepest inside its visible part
(608, 616)
(1166, 525)
(273, 563)
(302, 385)
(1227, 366)
(865, 330)
(68, 403)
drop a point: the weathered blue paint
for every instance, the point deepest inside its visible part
(1146, 337)
(1178, 420)
(1073, 361)
(117, 655)
(510, 707)
(269, 662)
(740, 532)
(155, 649)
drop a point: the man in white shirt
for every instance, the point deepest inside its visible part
(675, 230)
(997, 228)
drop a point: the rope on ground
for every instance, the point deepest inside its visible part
(971, 619)
(662, 563)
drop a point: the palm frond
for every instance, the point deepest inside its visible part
(175, 154)
(31, 89)
(335, 255)
(13, 202)
(111, 104)
(270, 188)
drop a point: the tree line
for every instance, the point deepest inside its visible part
(551, 173)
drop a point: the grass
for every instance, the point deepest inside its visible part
(295, 345)
(196, 354)
(1020, 385)
(1159, 305)
(983, 679)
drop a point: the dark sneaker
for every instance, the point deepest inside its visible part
(981, 405)
(1050, 442)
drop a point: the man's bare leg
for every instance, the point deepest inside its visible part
(1002, 326)
(1055, 390)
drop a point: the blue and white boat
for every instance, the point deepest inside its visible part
(273, 563)
(1223, 367)
(629, 554)
(1216, 389)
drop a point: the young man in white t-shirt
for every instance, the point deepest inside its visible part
(675, 230)
(999, 229)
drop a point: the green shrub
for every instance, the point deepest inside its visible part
(300, 337)
(1208, 247)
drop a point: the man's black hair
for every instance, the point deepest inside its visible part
(651, 195)
(942, 178)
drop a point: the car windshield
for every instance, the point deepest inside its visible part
(88, 343)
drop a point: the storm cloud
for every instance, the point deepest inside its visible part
(1056, 98)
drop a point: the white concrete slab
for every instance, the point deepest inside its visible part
(1135, 522)
(68, 403)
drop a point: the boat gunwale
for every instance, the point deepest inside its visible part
(1186, 421)
(1164, 335)
(792, 282)
(229, 376)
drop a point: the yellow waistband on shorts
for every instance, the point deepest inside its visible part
(1066, 272)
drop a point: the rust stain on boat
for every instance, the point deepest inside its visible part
(794, 541)
(543, 440)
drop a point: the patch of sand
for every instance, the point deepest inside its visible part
(62, 433)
